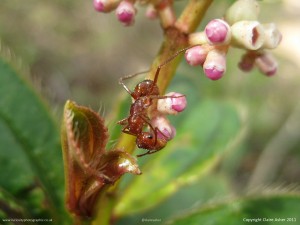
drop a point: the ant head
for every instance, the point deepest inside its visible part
(144, 140)
(145, 88)
(147, 140)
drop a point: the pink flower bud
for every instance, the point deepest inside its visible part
(166, 14)
(126, 12)
(247, 62)
(215, 64)
(172, 104)
(166, 130)
(105, 5)
(196, 56)
(151, 12)
(218, 32)
(266, 64)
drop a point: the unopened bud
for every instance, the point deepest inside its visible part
(105, 5)
(247, 62)
(196, 56)
(247, 34)
(266, 64)
(218, 32)
(215, 64)
(166, 14)
(126, 12)
(173, 103)
(166, 130)
(242, 10)
(197, 38)
(272, 36)
(151, 12)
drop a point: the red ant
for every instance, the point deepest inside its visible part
(143, 95)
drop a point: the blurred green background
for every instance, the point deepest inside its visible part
(75, 53)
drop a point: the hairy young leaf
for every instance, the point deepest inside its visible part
(88, 167)
(29, 151)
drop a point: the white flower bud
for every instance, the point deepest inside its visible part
(242, 10)
(247, 34)
(172, 104)
(272, 36)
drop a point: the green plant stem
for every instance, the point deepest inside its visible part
(173, 42)
(104, 207)
(175, 39)
(192, 15)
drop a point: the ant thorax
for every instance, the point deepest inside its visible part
(140, 105)
(145, 88)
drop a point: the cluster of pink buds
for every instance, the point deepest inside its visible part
(241, 29)
(172, 104)
(126, 11)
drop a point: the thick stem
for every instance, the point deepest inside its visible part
(192, 15)
(174, 40)
(104, 207)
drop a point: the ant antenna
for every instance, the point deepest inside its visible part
(121, 80)
(169, 60)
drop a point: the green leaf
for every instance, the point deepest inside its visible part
(190, 197)
(204, 134)
(10, 207)
(30, 146)
(279, 209)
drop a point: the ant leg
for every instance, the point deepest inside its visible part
(146, 153)
(154, 130)
(147, 121)
(149, 152)
(165, 96)
(121, 80)
(127, 132)
(123, 121)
